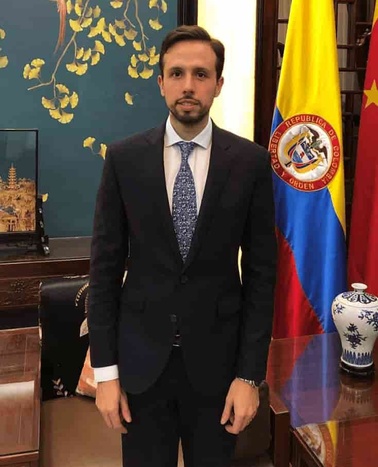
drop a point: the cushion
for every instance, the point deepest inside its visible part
(73, 434)
(62, 311)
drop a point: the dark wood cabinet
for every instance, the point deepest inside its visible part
(21, 273)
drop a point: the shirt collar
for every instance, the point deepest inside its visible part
(203, 139)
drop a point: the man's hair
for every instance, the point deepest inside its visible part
(193, 33)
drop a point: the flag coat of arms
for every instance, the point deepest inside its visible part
(363, 243)
(307, 162)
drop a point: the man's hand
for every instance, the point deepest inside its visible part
(111, 401)
(241, 406)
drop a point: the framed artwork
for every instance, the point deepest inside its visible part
(19, 207)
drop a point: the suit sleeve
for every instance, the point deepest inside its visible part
(109, 251)
(258, 265)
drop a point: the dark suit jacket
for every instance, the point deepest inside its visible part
(225, 326)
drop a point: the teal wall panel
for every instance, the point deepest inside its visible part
(69, 172)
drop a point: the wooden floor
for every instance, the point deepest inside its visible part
(263, 461)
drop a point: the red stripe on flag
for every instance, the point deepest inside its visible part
(363, 244)
(294, 315)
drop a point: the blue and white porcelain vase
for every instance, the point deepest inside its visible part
(355, 315)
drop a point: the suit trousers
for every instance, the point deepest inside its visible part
(171, 410)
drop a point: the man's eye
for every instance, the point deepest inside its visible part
(201, 74)
(176, 73)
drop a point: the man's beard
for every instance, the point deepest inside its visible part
(186, 118)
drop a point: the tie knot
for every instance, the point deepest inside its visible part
(186, 148)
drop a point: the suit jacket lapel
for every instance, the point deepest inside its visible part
(157, 187)
(220, 164)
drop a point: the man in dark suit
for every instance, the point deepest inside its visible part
(180, 347)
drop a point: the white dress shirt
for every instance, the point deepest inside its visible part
(198, 161)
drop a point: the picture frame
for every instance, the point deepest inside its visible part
(21, 220)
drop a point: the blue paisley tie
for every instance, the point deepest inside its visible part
(184, 202)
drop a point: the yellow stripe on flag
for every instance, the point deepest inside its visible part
(309, 81)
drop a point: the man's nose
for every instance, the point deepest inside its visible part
(188, 84)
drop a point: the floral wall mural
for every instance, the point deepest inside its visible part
(84, 73)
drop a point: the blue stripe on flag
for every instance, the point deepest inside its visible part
(318, 244)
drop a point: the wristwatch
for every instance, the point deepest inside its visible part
(251, 382)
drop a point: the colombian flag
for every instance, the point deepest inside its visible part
(363, 247)
(307, 162)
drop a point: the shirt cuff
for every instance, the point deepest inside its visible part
(106, 373)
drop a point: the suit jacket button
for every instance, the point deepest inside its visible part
(184, 279)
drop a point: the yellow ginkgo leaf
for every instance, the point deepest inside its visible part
(106, 36)
(130, 34)
(101, 25)
(112, 30)
(134, 61)
(96, 11)
(137, 45)
(89, 12)
(143, 57)
(45, 197)
(74, 100)
(80, 53)
(86, 22)
(87, 55)
(133, 72)
(153, 3)
(154, 60)
(129, 98)
(88, 142)
(120, 23)
(37, 62)
(164, 6)
(48, 103)
(26, 71)
(66, 117)
(34, 73)
(72, 67)
(62, 89)
(55, 113)
(69, 6)
(155, 24)
(3, 61)
(94, 32)
(120, 40)
(146, 73)
(152, 51)
(99, 47)
(102, 151)
(116, 4)
(81, 68)
(75, 25)
(78, 9)
(2, 34)
(95, 58)
(64, 101)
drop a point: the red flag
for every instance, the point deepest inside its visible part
(363, 246)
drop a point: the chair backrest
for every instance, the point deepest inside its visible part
(62, 310)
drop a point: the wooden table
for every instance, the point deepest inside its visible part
(308, 388)
(22, 271)
(19, 397)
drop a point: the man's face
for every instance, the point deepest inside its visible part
(190, 83)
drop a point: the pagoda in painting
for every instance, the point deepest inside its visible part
(17, 203)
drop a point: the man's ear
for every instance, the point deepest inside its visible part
(160, 82)
(219, 86)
